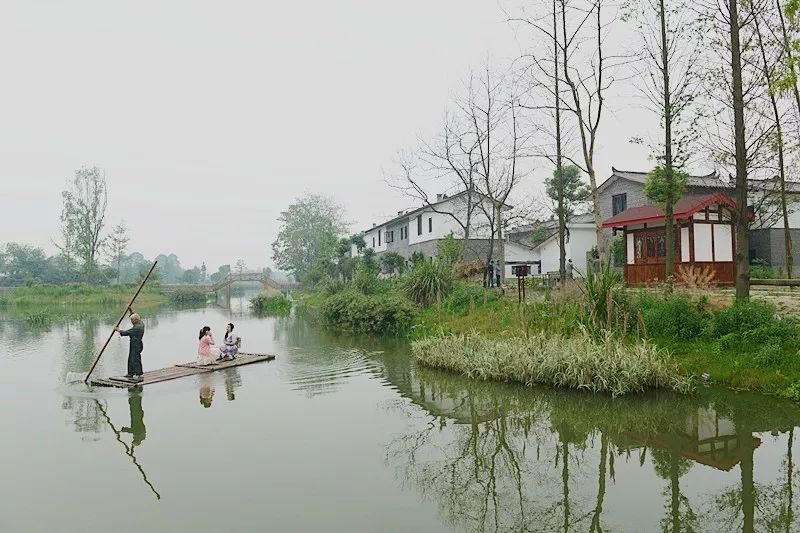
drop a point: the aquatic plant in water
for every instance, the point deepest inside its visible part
(580, 361)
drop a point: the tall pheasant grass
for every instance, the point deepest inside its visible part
(580, 361)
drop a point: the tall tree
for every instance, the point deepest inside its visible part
(83, 218)
(669, 85)
(546, 86)
(309, 232)
(734, 83)
(768, 68)
(240, 266)
(588, 76)
(118, 246)
(566, 189)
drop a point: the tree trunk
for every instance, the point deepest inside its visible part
(788, 50)
(742, 220)
(787, 235)
(669, 233)
(501, 248)
(562, 245)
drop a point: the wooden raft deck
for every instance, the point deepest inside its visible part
(182, 370)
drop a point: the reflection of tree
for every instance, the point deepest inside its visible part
(482, 453)
(669, 464)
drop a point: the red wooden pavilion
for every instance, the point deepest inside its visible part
(704, 237)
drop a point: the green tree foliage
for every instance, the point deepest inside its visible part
(540, 235)
(568, 179)
(223, 271)
(392, 262)
(660, 189)
(170, 268)
(117, 245)
(308, 235)
(429, 282)
(450, 250)
(83, 219)
(617, 250)
(191, 276)
(23, 262)
(417, 258)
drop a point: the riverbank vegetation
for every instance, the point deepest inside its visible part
(271, 304)
(188, 297)
(668, 336)
(580, 361)
(55, 296)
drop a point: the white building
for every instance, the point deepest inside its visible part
(421, 230)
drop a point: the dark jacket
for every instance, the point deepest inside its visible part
(135, 333)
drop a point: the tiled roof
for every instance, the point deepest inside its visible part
(684, 208)
(710, 181)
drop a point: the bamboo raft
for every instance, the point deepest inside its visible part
(180, 371)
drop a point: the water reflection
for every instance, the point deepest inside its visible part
(488, 456)
(514, 459)
(136, 429)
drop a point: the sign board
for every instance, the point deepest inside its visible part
(521, 270)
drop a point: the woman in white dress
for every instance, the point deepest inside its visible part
(207, 353)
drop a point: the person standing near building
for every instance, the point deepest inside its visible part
(569, 269)
(497, 275)
(136, 333)
(490, 274)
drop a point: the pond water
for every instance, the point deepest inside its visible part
(346, 434)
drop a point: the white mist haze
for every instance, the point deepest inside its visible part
(209, 118)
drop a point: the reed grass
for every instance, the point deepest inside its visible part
(580, 361)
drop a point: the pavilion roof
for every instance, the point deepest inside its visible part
(683, 209)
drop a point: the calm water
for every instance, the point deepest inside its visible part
(342, 434)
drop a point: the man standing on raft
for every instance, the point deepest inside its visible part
(136, 332)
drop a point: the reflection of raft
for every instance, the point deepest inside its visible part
(182, 370)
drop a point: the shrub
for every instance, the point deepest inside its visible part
(429, 281)
(466, 294)
(188, 297)
(580, 361)
(742, 316)
(329, 286)
(760, 269)
(358, 313)
(450, 250)
(602, 292)
(674, 317)
(271, 304)
(366, 282)
(469, 269)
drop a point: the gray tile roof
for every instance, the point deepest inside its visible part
(711, 181)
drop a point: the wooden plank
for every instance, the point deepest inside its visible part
(181, 370)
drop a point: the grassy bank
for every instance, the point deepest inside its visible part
(580, 361)
(271, 304)
(744, 346)
(83, 295)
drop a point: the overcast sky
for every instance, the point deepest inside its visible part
(210, 117)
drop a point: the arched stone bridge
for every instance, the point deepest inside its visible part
(225, 283)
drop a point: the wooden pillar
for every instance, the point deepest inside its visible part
(691, 242)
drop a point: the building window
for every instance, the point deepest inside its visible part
(389, 236)
(379, 237)
(373, 242)
(419, 224)
(430, 224)
(403, 231)
(619, 203)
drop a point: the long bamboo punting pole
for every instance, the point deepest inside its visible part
(124, 313)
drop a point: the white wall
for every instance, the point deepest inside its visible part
(631, 251)
(582, 238)
(723, 243)
(702, 242)
(373, 234)
(685, 257)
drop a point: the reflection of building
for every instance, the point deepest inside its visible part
(707, 439)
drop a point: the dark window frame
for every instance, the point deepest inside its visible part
(619, 203)
(430, 224)
(419, 224)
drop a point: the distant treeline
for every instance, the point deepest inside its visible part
(24, 264)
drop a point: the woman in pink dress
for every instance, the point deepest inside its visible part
(207, 353)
